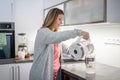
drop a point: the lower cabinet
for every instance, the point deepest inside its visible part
(7, 72)
(19, 71)
(22, 71)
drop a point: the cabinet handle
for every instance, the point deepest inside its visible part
(18, 72)
(12, 73)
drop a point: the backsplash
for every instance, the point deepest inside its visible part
(28, 19)
(105, 53)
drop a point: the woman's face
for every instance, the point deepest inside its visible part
(58, 21)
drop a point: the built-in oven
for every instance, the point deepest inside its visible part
(7, 32)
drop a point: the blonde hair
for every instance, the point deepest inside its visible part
(51, 18)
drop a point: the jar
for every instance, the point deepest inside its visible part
(22, 43)
(21, 54)
(90, 63)
(22, 39)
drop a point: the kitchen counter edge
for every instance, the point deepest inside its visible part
(12, 60)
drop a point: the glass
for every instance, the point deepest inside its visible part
(90, 63)
(89, 57)
(8, 50)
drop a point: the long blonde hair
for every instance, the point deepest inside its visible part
(51, 18)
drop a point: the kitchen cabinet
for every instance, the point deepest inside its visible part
(7, 72)
(18, 71)
(6, 10)
(22, 71)
(85, 11)
(91, 11)
(113, 11)
(51, 3)
(69, 76)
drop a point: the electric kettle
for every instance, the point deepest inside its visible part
(80, 48)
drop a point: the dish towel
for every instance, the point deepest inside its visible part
(3, 40)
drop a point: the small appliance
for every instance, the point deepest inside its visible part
(80, 48)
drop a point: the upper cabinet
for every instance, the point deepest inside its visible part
(85, 11)
(6, 11)
(50, 3)
(92, 11)
(113, 11)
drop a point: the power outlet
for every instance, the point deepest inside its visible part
(115, 41)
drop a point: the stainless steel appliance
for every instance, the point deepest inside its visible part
(8, 51)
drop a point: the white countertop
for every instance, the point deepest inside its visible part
(103, 72)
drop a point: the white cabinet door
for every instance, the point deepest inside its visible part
(113, 11)
(15, 71)
(7, 72)
(23, 70)
(50, 3)
(6, 10)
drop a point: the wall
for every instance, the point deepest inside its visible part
(105, 53)
(50, 3)
(28, 18)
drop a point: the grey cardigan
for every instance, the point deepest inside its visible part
(42, 68)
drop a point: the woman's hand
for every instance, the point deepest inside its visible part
(85, 35)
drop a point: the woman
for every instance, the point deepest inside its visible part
(47, 52)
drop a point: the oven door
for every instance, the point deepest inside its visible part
(8, 51)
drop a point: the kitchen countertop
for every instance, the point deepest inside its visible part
(12, 60)
(7, 61)
(103, 71)
(25, 60)
(78, 69)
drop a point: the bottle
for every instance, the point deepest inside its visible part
(89, 56)
(90, 63)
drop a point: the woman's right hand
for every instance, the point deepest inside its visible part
(85, 35)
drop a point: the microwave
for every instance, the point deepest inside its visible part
(7, 51)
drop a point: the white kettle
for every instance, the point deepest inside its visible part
(80, 48)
